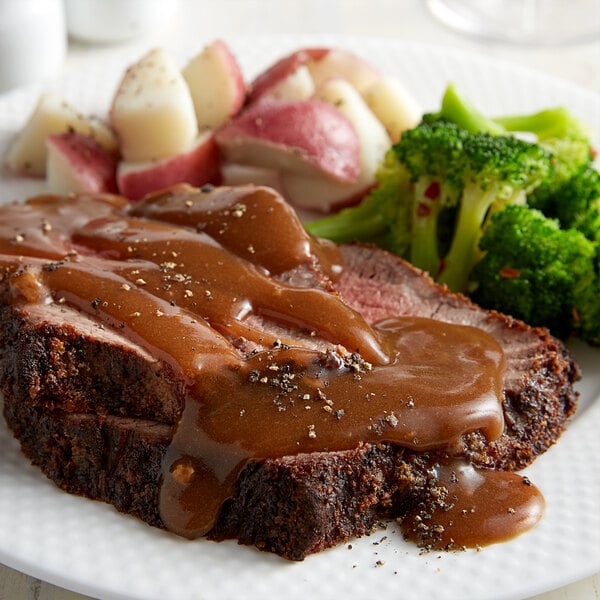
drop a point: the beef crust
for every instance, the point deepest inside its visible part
(293, 506)
(96, 414)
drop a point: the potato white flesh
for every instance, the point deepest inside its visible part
(152, 110)
(287, 78)
(373, 139)
(393, 105)
(236, 174)
(52, 114)
(322, 194)
(76, 163)
(216, 83)
(298, 84)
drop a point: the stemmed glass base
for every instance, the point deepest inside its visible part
(541, 22)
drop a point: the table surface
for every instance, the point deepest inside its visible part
(407, 20)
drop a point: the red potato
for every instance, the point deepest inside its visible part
(320, 194)
(152, 110)
(288, 78)
(52, 114)
(323, 194)
(338, 63)
(372, 136)
(77, 163)
(393, 105)
(216, 84)
(198, 166)
(307, 137)
(297, 85)
(293, 76)
(234, 174)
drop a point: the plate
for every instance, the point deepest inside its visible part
(88, 547)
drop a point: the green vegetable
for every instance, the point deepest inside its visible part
(536, 271)
(505, 209)
(576, 203)
(460, 111)
(478, 174)
(436, 189)
(586, 314)
(555, 129)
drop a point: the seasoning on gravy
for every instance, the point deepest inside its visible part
(227, 287)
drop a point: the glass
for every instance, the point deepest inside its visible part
(33, 42)
(541, 22)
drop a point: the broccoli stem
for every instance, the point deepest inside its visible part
(549, 123)
(424, 252)
(462, 255)
(358, 223)
(456, 109)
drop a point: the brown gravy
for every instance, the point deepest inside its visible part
(469, 506)
(203, 279)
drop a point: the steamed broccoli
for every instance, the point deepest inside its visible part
(542, 267)
(557, 130)
(536, 271)
(437, 186)
(433, 154)
(586, 313)
(458, 110)
(501, 170)
(576, 203)
(505, 209)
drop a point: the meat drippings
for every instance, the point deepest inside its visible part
(464, 506)
(200, 278)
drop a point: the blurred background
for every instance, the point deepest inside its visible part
(39, 37)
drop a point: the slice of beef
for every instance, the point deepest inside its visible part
(293, 506)
(57, 358)
(538, 386)
(96, 413)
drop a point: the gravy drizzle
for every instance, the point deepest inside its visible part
(227, 287)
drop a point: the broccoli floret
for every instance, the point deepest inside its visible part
(459, 195)
(433, 154)
(381, 210)
(576, 203)
(587, 310)
(563, 135)
(547, 124)
(475, 173)
(536, 271)
(435, 190)
(557, 130)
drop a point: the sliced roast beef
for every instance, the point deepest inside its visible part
(66, 415)
(97, 410)
(538, 388)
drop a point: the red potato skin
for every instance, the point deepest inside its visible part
(280, 70)
(311, 131)
(95, 167)
(199, 166)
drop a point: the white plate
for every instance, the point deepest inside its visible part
(88, 547)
